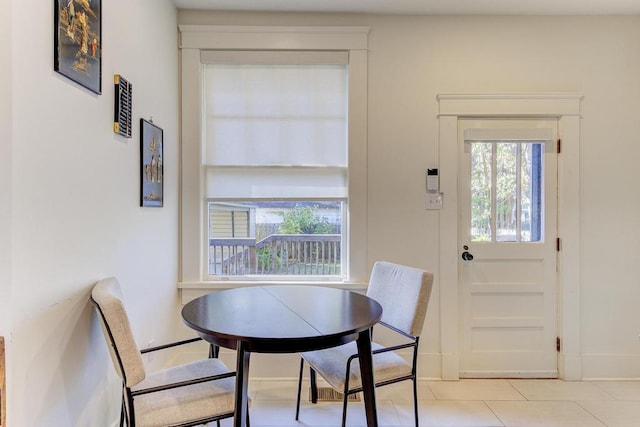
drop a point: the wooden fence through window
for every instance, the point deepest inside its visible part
(278, 254)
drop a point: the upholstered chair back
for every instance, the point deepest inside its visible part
(126, 357)
(404, 294)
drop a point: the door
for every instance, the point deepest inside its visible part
(507, 194)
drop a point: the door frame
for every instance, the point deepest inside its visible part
(565, 107)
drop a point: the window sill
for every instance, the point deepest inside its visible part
(192, 290)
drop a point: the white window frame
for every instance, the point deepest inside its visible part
(195, 38)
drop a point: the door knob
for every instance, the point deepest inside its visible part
(466, 255)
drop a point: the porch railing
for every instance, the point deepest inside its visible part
(278, 254)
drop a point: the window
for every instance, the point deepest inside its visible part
(275, 150)
(273, 153)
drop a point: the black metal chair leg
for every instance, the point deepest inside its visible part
(415, 400)
(122, 414)
(344, 410)
(345, 397)
(299, 388)
(314, 385)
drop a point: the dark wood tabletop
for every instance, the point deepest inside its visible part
(285, 319)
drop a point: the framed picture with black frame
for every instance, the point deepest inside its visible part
(78, 42)
(151, 165)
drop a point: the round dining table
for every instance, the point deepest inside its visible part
(286, 319)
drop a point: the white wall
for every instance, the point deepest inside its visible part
(412, 59)
(5, 168)
(76, 215)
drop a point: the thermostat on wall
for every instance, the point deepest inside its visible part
(432, 180)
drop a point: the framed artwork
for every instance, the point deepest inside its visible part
(78, 42)
(151, 165)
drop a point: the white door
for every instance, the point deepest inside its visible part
(507, 191)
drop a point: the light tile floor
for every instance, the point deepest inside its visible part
(464, 403)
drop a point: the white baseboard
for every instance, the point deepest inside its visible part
(509, 374)
(570, 367)
(450, 367)
(616, 367)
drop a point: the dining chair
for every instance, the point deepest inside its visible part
(403, 292)
(186, 395)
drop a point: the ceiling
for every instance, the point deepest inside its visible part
(426, 7)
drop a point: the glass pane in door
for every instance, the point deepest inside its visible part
(506, 191)
(481, 191)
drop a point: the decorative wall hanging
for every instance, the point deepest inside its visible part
(122, 121)
(78, 42)
(151, 164)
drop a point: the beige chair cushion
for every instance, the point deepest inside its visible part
(183, 404)
(108, 296)
(404, 294)
(331, 364)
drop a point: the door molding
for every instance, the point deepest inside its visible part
(565, 107)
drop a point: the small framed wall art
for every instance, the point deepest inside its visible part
(123, 108)
(151, 164)
(78, 42)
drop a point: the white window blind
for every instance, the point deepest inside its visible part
(275, 124)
